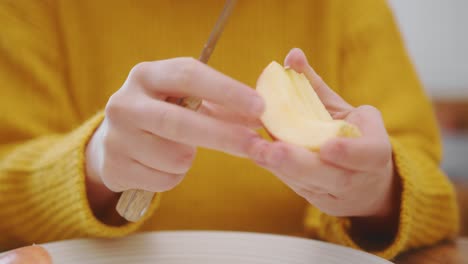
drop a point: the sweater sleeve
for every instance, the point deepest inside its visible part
(377, 71)
(42, 137)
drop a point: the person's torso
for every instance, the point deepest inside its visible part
(103, 40)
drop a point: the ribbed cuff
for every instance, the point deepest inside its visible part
(78, 206)
(51, 195)
(428, 211)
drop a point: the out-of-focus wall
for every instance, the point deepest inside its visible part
(436, 34)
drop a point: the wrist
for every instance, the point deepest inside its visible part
(392, 196)
(93, 157)
(379, 230)
(99, 196)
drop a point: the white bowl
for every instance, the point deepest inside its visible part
(197, 247)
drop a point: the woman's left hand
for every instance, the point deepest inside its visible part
(26, 255)
(351, 177)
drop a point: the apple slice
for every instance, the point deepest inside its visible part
(294, 112)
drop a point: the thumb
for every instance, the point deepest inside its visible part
(297, 60)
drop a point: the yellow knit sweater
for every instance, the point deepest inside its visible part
(61, 60)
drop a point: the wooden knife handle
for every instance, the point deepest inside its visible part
(133, 204)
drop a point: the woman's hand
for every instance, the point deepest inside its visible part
(147, 143)
(26, 255)
(349, 176)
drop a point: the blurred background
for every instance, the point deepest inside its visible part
(436, 35)
(437, 39)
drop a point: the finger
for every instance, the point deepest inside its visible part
(297, 60)
(357, 155)
(371, 151)
(221, 113)
(328, 203)
(188, 77)
(26, 255)
(191, 128)
(131, 174)
(369, 121)
(155, 152)
(333, 205)
(300, 166)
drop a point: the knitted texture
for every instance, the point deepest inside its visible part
(61, 60)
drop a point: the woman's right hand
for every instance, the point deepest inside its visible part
(147, 143)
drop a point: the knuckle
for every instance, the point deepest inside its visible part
(363, 113)
(369, 109)
(187, 70)
(139, 71)
(359, 117)
(189, 62)
(115, 107)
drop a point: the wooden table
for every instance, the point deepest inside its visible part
(446, 253)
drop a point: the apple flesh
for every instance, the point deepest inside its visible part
(294, 112)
